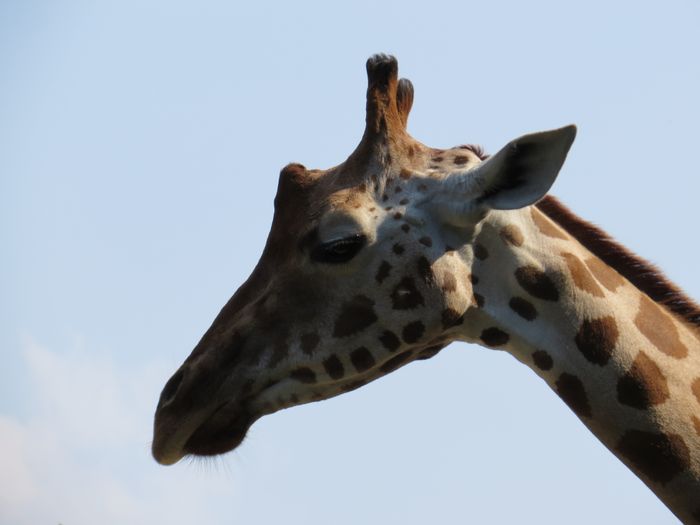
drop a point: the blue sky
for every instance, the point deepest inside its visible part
(140, 144)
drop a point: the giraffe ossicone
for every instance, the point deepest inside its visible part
(390, 256)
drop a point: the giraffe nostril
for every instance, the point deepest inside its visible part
(171, 387)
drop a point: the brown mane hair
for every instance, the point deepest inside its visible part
(641, 273)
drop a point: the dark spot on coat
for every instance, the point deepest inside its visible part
(403, 202)
(334, 367)
(426, 241)
(362, 359)
(660, 457)
(570, 389)
(537, 283)
(494, 336)
(412, 332)
(596, 339)
(397, 249)
(643, 385)
(398, 215)
(406, 296)
(355, 315)
(542, 360)
(406, 228)
(383, 272)
(389, 340)
(523, 308)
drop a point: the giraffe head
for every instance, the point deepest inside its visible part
(366, 268)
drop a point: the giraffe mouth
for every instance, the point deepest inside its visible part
(221, 432)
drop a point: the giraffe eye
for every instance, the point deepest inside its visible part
(339, 251)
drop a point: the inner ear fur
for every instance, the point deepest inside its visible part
(523, 171)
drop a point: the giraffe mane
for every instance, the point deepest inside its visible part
(640, 272)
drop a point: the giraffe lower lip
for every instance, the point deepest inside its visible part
(226, 428)
(219, 434)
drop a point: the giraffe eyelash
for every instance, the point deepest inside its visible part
(338, 251)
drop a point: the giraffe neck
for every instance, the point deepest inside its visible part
(628, 368)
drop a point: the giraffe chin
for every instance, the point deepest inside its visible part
(220, 433)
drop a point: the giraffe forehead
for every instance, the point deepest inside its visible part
(359, 211)
(350, 199)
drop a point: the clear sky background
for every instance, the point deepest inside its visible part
(140, 144)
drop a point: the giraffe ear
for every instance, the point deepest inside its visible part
(522, 172)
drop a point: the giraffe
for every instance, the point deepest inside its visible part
(388, 257)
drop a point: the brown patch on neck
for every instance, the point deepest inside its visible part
(641, 273)
(546, 226)
(659, 329)
(604, 274)
(643, 385)
(582, 278)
